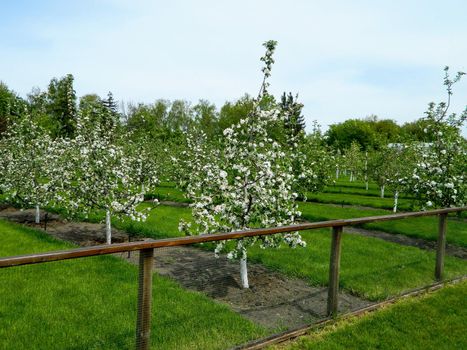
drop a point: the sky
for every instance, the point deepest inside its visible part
(345, 59)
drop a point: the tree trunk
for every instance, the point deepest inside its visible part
(337, 173)
(396, 197)
(351, 176)
(38, 214)
(366, 184)
(108, 227)
(244, 273)
(382, 191)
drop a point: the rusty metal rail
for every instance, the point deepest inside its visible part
(146, 249)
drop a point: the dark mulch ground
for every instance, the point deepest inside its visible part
(79, 233)
(451, 249)
(273, 300)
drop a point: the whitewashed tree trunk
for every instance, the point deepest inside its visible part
(337, 173)
(108, 227)
(396, 197)
(351, 176)
(244, 273)
(382, 191)
(38, 214)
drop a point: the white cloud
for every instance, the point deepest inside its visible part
(337, 55)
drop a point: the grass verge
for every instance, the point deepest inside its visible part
(432, 321)
(422, 227)
(90, 303)
(371, 268)
(360, 200)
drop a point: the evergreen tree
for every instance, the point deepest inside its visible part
(110, 103)
(294, 122)
(61, 105)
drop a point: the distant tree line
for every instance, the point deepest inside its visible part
(373, 133)
(368, 149)
(55, 109)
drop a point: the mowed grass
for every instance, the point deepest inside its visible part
(162, 221)
(344, 181)
(168, 192)
(371, 268)
(321, 208)
(422, 227)
(360, 200)
(90, 303)
(358, 188)
(432, 321)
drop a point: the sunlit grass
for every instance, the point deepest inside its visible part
(90, 303)
(422, 227)
(371, 268)
(432, 321)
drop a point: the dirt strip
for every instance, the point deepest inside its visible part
(451, 249)
(273, 300)
(80, 233)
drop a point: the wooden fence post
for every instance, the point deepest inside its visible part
(441, 246)
(143, 321)
(334, 265)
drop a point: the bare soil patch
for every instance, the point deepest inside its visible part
(79, 233)
(273, 300)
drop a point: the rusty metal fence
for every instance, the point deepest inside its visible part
(146, 257)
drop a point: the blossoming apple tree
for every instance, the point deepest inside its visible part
(247, 182)
(144, 163)
(439, 178)
(104, 177)
(32, 166)
(400, 160)
(353, 160)
(314, 162)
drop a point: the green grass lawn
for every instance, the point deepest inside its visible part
(371, 268)
(344, 181)
(90, 303)
(337, 194)
(162, 221)
(432, 321)
(37, 299)
(358, 188)
(176, 195)
(422, 227)
(360, 200)
(168, 192)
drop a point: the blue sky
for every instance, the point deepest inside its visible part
(345, 59)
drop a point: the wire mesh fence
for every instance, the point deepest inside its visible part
(175, 293)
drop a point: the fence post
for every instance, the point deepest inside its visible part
(143, 321)
(441, 246)
(334, 265)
